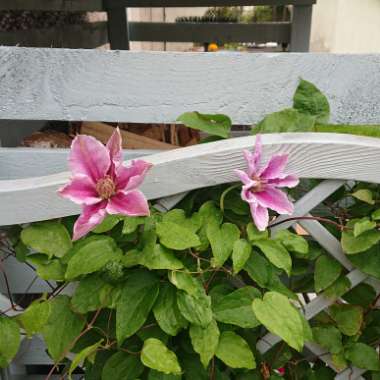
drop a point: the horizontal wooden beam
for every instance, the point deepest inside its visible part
(99, 5)
(89, 36)
(209, 32)
(156, 87)
(311, 155)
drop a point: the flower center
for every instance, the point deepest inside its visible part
(259, 186)
(106, 187)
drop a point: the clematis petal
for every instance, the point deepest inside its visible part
(260, 216)
(129, 178)
(243, 176)
(132, 203)
(89, 157)
(115, 148)
(274, 199)
(91, 216)
(286, 181)
(253, 159)
(258, 151)
(80, 190)
(275, 167)
(247, 195)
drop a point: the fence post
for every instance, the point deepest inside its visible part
(301, 28)
(118, 34)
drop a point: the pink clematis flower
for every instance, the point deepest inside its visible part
(260, 185)
(102, 184)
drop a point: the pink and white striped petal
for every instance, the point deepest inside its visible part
(114, 145)
(132, 203)
(129, 178)
(80, 190)
(275, 200)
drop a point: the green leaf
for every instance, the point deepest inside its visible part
(280, 317)
(176, 237)
(308, 99)
(364, 195)
(92, 254)
(50, 238)
(62, 327)
(49, 269)
(293, 242)
(218, 125)
(352, 245)
(327, 271)
(329, 337)
(234, 351)
(259, 269)
(155, 375)
(236, 308)
(288, 120)
(159, 258)
(348, 318)
(166, 311)
(363, 356)
(362, 295)
(338, 288)
(196, 309)
(240, 254)
(209, 214)
(222, 240)
(131, 223)
(368, 262)
(157, 356)
(339, 361)
(178, 216)
(21, 251)
(34, 318)
(83, 355)
(122, 366)
(9, 340)
(185, 281)
(376, 215)
(90, 294)
(108, 223)
(276, 254)
(205, 341)
(137, 298)
(363, 225)
(254, 234)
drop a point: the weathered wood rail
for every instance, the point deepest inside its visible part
(150, 87)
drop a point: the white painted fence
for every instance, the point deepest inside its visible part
(149, 87)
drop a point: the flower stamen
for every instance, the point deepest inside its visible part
(106, 187)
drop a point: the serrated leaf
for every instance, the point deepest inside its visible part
(50, 238)
(83, 355)
(352, 245)
(176, 237)
(218, 125)
(234, 351)
(92, 254)
(240, 254)
(329, 337)
(9, 340)
(363, 356)
(196, 309)
(166, 311)
(222, 240)
(348, 318)
(363, 225)
(34, 318)
(88, 294)
(280, 317)
(293, 242)
(122, 366)
(205, 341)
(364, 195)
(327, 271)
(157, 356)
(137, 298)
(308, 99)
(62, 327)
(236, 308)
(276, 253)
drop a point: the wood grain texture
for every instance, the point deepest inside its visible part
(92, 85)
(311, 155)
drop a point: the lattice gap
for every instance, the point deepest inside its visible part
(34, 350)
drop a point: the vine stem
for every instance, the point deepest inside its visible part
(223, 196)
(317, 218)
(72, 344)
